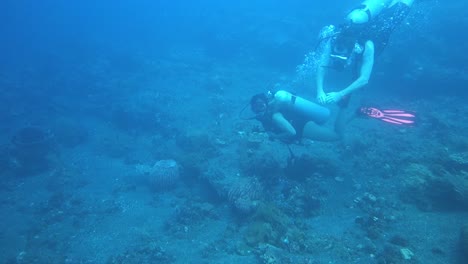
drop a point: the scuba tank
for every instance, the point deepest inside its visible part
(367, 11)
(315, 112)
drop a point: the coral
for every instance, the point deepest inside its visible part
(244, 194)
(302, 200)
(163, 174)
(446, 191)
(270, 225)
(260, 233)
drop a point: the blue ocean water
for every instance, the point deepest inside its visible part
(124, 140)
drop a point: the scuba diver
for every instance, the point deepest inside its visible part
(355, 44)
(288, 117)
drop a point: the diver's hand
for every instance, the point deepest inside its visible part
(333, 97)
(322, 97)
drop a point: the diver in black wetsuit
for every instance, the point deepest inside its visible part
(289, 118)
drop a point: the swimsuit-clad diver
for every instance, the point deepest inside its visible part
(355, 45)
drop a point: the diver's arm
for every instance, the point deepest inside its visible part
(365, 71)
(320, 74)
(285, 128)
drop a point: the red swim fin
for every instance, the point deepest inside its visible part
(392, 116)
